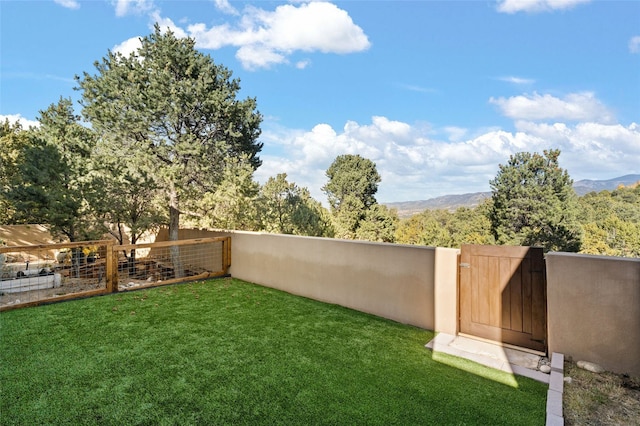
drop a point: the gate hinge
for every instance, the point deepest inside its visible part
(465, 265)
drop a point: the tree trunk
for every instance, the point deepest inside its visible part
(132, 262)
(174, 225)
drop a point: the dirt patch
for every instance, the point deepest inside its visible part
(600, 399)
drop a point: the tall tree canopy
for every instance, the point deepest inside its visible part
(353, 183)
(351, 176)
(611, 222)
(534, 203)
(13, 141)
(175, 113)
(286, 208)
(50, 177)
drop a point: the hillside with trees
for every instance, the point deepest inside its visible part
(162, 140)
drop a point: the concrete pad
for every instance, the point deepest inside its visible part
(490, 354)
(536, 375)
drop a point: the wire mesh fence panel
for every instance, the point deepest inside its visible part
(148, 265)
(32, 274)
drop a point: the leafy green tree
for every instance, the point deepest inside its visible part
(471, 226)
(428, 228)
(233, 204)
(351, 176)
(286, 208)
(379, 224)
(534, 203)
(442, 228)
(176, 114)
(13, 141)
(127, 199)
(52, 183)
(611, 222)
(353, 183)
(347, 219)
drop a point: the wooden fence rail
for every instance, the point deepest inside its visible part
(35, 274)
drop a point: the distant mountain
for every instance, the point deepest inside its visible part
(585, 186)
(446, 202)
(452, 202)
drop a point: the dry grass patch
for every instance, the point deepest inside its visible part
(600, 399)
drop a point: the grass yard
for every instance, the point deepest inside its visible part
(229, 352)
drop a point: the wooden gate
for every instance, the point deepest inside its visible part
(503, 294)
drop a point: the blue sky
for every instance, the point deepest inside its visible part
(436, 93)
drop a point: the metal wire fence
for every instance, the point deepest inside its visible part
(148, 265)
(30, 275)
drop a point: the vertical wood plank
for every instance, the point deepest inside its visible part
(516, 295)
(495, 290)
(526, 295)
(111, 278)
(505, 291)
(483, 290)
(538, 296)
(475, 288)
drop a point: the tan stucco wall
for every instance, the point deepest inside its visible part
(446, 291)
(388, 280)
(594, 309)
(593, 301)
(24, 235)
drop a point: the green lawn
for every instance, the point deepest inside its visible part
(229, 352)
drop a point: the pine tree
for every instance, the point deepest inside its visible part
(534, 203)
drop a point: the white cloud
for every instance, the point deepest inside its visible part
(165, 23)
(634, 44)
(515, 6)
(133, 44)
(130, 7)
(517, 80)
(574, 107)
(302, 64)
(414, 166)
(455, 133)
(127, 47)
(415, 88)
(265, 38)
(592, 150)
(225, 7)
(24, 122)
(69, 4)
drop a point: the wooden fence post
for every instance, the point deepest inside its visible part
(111, 268)
(226, 254)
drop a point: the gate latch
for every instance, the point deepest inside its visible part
(465, 265)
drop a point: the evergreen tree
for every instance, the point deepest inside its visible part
(233, 204)
(52, 182)
(379, 224)
(351, 175)
(286, 208)
(353, 183)
(611, 222)
(176, 114)
(534, 203)
(13, 141)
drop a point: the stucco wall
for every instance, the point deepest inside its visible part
(593, 305)
(392, 281)
(593, 301)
